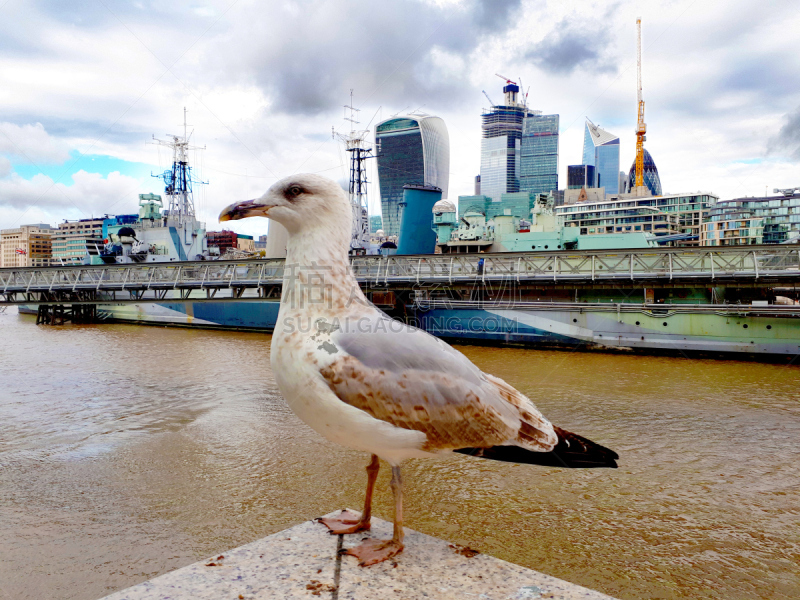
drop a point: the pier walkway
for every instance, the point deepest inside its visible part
(261, 279)
(304, 562)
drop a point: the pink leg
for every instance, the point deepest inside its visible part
(348, 522)
(374, 551)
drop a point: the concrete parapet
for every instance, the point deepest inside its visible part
(304, 562)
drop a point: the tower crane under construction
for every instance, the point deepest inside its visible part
(641, 127)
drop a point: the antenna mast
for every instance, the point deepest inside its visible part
(356, 144)
(178, 180)
(641, 127)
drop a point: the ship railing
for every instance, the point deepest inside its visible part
(652, 309)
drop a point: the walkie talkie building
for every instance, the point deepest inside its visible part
(410, 150)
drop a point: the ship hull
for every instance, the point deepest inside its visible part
(574, 326)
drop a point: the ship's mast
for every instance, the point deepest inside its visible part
(356, 144)
(178, 180)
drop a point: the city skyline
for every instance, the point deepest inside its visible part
(88, 86)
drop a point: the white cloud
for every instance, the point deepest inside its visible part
(32, 143)
(89, 194)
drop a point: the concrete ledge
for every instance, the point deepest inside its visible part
(303, 562)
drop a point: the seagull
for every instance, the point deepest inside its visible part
(374, 384)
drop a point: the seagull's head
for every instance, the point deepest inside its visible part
(296, 202)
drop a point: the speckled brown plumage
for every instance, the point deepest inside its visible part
(452, 412)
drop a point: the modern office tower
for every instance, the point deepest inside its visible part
(601, 150)
(477, 185)
(413, 149)
(375, 223)
(501, 144)
(580, 176)
(538, 164)
(651, 178)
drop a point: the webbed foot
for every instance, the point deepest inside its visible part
(346, 522)
(371, 552)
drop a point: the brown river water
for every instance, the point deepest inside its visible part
(127, 452)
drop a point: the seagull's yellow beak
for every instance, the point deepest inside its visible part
(242, 210)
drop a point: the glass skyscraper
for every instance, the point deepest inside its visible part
(538, 164)
(651, 178)
(580, 176)
(500, 146)
(601, 150)
(410, 150)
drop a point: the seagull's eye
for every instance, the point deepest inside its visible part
(294, 191)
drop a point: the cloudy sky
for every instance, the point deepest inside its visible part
(85, 84)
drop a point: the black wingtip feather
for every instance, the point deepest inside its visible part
(572, 452)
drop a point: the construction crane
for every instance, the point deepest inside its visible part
(510, 89)
(487, 97)
(506, 79)
(525, 95)
(641, 127)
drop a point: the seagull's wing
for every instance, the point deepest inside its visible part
(406, 377)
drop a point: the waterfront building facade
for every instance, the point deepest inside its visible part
(222, 239)
(615, 216)
(662, 215)
(26, 246)
(601, 150)
(651, 178)
(538, 163)
(246, 243)
(413, 149)
(225, 240)
(71, 238)
(781, 215)
(729, 224)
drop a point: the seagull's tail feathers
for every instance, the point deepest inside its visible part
(572, 452)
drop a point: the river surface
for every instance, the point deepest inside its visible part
(129, 451)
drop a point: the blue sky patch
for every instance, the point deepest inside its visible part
(91, 163)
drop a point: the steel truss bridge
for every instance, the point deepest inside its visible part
(253, 280)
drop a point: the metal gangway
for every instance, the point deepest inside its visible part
(246, 280)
